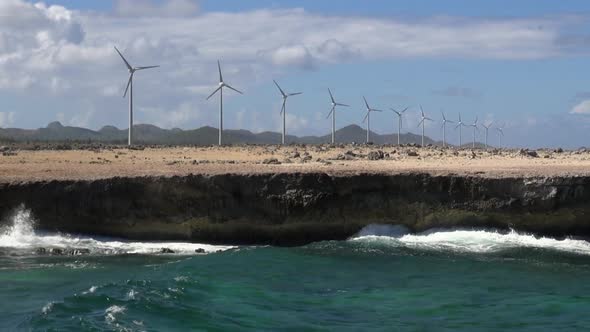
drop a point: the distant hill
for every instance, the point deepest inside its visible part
(150, 134)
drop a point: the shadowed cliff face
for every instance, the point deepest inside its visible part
(292, 209)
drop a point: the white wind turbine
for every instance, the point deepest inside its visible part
(444, 128)
(333, 113)
(460, 125)
(474, 125)
(368, 118)
(399, 122)
(423, 123)
(284, 108)
(487, 128)
(500, 135)
(129, 88)
(220, 87)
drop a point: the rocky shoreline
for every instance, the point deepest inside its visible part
(298, 208)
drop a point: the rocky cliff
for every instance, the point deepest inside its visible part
(292, 209)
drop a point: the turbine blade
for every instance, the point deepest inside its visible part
(294, 94)
(366, 104)
(429, 119)
(281, 90)
(443, 115)
(128, 84)
(375, 110)
(232, 88)
(366, 116)
(422, 110)
(283, 107)
(122, 57)
(342, 105)
(219, 68)
(214, 92)
(331, 96)
(405, 109)
(332, 110)
(146, 67)
(421, 121)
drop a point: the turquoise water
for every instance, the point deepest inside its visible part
(383, 279)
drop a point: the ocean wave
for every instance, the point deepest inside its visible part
(469, 241)
(20, 234)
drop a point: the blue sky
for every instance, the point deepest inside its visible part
(518, 63)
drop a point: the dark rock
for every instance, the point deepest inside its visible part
(41, 251)
(166, 251)
(412, 153)
(307, 158)
(200, 251)
(558, 150)
(56, 251)
(528, 153)
(271, 161)
(78, 252)
(376, 155)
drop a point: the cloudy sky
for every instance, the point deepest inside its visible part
(523, 64)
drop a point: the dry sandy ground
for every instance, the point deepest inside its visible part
(25, 166)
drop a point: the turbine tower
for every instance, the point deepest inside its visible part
(333, 113)
(487, 128)
(459, 125)
(220, 87)
(474, 125)
(368, 118)
(500, 134)
(284, 109)
(129, 88)
(399, 122)
(444, 128)
(422, 122)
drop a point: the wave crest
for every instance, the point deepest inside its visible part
(469, 241)
(20, 234)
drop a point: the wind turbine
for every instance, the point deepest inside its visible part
(284, 109)
(399, 122)
(368, 118)
(220, 87)
(486, 129)
(333, 113)
(129, 88)
(444, 128)
(474, 125)
(500, 134)
(460, 125)
(422, 122)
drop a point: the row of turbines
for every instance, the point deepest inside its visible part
(367, 119)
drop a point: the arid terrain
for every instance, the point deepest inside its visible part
(25, 164)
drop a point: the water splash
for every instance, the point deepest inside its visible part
(470, 241)
(20, 234)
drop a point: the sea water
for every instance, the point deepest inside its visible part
(385, 278)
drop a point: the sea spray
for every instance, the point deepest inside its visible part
(19, 234)
(461, 240)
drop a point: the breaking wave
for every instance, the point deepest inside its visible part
(469, 241)
(20, 235)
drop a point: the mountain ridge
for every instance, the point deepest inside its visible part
(206, 135)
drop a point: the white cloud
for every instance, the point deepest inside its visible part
(6, 119)
(53, 49)
(175, 117)
(581, 108)
(150, 8)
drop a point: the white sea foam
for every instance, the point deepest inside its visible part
(112, 311)
(20, 234)
(475, 241)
